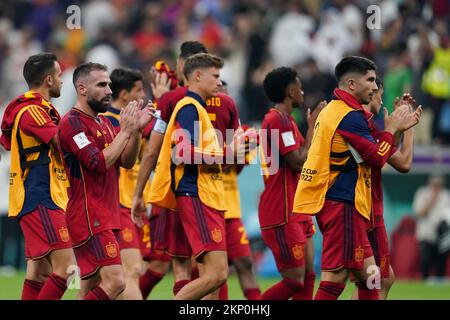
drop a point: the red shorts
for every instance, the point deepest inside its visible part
(345, 242)
(44, 230)
(129, 235)
(158, 235)
(177, 241)
(204, 226)
(238, 245)
(101, 250)
(287, 243)
(380, 246)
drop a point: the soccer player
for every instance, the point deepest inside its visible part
(127, 85)
(190, 162)
(38, 181)
(401, 159)
(93, 153)
(288, 236)
(224, 115)
(336, 176)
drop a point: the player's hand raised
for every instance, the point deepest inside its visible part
(312, 117)
(144, 114)
(159, 82)
(128, 117)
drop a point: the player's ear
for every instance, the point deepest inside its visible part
(123, 95)
(49, 80)
(82, 89)
(290, 92)
(198, 75)
(351, 83)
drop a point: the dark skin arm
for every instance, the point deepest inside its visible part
(296, 158)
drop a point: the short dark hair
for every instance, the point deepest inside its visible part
(276, 82)
(37, 67)
(379, 82)
(123, 79)
(86, 68)
(356, 64)
(201, 61)
(189, 48)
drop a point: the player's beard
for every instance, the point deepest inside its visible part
(55, 91)
(98, 106)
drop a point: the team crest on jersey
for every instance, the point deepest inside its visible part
(111, 250)
(64, 234)
(99, 134)
(359, 254)
(217, 235)
(297, 251)
(127, 235)
(383, 263)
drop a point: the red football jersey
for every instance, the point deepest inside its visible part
(94, 191)
(276, 201)
(221, 109)
(377, 186)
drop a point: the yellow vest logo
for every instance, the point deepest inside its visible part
(99, 134)
(111, 250)
(217, 235)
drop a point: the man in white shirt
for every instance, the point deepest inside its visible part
(431, 204)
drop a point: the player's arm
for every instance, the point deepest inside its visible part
(296, 158)
(148, 163)
(402, 159)
(187, 142)
(136, 119)
(76, 139)
(36, 122)
(355, 130)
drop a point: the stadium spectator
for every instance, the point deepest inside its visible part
(431, 204)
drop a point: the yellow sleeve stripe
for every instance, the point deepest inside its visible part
(383, 146)
(37, 116)
(383, 153)
(213, 153)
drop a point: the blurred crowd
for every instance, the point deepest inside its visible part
(411, 47)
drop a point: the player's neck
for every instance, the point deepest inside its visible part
(85, 108)
(199, 92)
(44, 92)
(285, 107)
(118, 104)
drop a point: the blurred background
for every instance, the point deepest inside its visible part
(410, 44)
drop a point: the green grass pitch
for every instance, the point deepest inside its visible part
(11, 286)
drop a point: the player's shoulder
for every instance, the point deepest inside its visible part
(72, 121)
(175, 94)
(226, 99)
(354, 120)
(276, 118)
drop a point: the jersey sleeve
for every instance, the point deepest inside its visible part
(355, 130)
(36, 122)
(164, 105)
(76, 138)
(235, 122)
(286, 134)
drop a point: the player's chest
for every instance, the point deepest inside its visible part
(102, 134)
